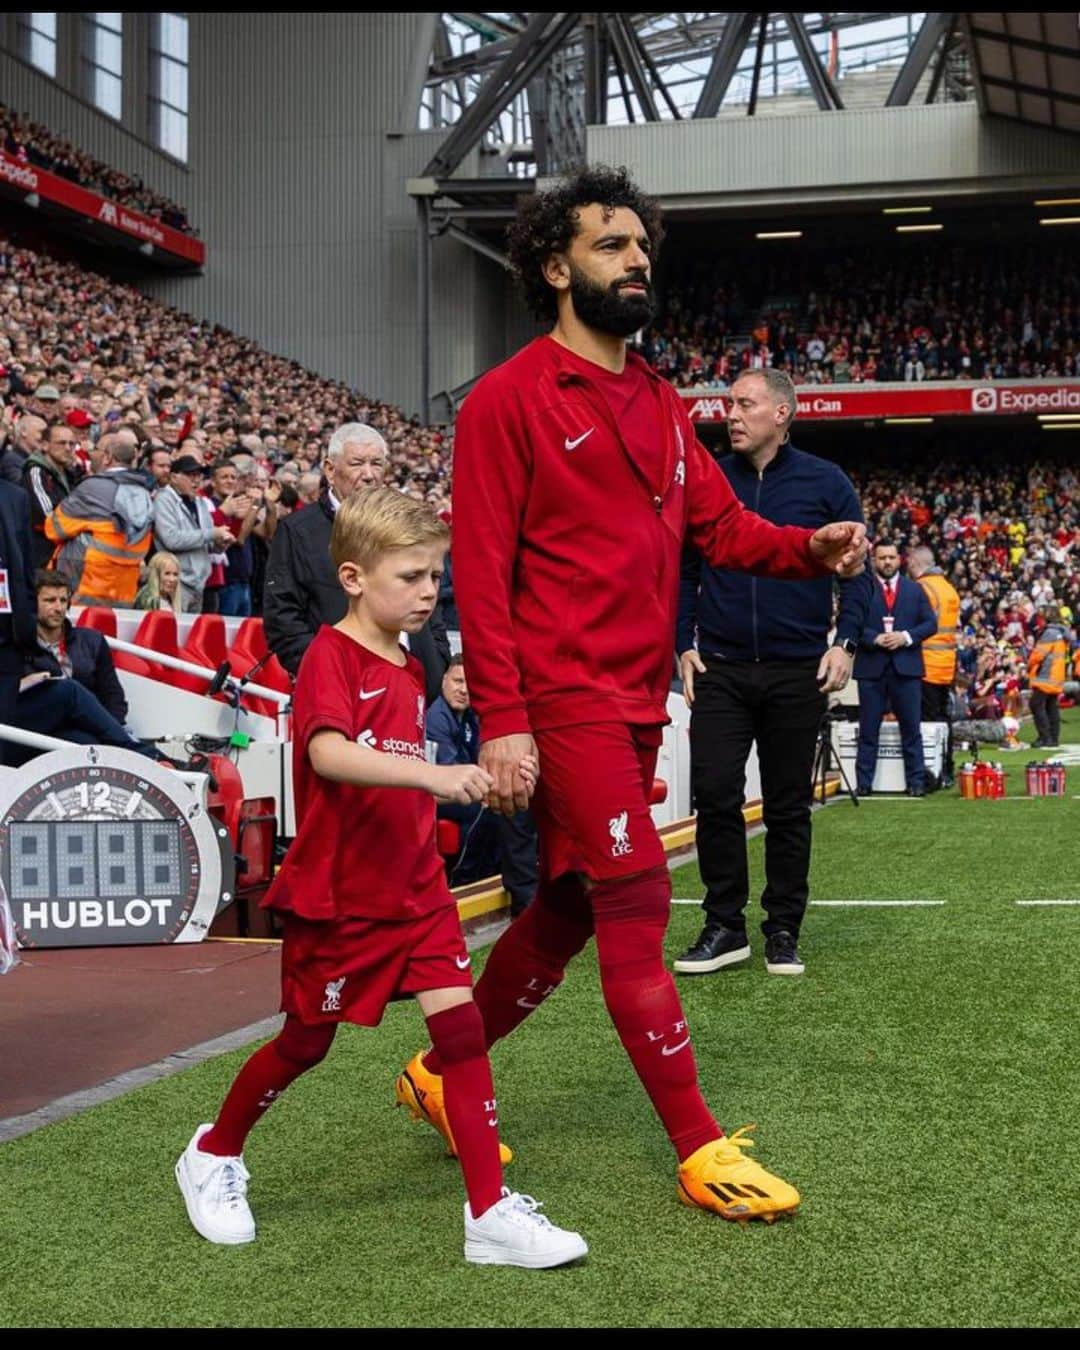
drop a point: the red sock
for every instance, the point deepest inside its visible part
(528, 962)
(631, 915)
(458, 1036)
(262, 1080)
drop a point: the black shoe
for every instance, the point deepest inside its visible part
(715, 948)
(864, 792)
(782, 955)
(916, 792)
(948, 781)
(1038, 745)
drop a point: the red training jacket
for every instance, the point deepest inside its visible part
(566, 558)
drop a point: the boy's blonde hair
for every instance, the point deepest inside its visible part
(371, 523)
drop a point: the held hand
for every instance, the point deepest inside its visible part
(529, 768)
(834, 671)
(461, 784)
(841, 547)
(502, 759)
(222, 536)
(689, 662)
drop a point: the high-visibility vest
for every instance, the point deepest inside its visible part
(1046, 665)
(109, 573)
(939, 650)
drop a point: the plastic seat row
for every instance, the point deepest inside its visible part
(205, 646)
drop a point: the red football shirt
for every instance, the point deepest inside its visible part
(637, 413)
(359, 852)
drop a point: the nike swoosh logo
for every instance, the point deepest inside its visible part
(674, 1049)
(524, 1003)
(365, 694)
(461, 965)
(568, 444)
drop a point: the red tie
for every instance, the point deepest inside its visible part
(889, 587)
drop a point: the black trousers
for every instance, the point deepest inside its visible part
(1047, 715)
(777, 704)
(935, 708)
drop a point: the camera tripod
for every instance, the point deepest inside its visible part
(825, 761)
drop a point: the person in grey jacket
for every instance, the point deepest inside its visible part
(183, 525)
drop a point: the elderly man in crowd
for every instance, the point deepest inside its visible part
(184, 525)
(302, 588)
(28, 439)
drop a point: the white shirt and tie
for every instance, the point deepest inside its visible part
(891, 588)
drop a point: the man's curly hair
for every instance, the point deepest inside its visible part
(548, 221)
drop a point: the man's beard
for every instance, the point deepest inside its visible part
(609, 310)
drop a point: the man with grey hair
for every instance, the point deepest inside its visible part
(757, 666)
(302, 588)
(28, 438)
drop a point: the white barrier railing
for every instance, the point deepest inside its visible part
(204, 672)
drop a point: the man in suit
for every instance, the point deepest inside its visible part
(17, 605)
(302, 589)
(889, 669)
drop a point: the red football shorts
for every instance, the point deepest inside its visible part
(592, 801)
(348, 970)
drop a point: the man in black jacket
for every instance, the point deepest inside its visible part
(760, 672)
(16, 597)
(302, 588)
(27, 440)
(64, 651)
(49, 475)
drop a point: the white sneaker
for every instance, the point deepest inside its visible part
(512, 1233)
(215, 1190)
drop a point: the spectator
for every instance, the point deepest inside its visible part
(162, 588)
(490, 841)
(184, 526)
(302, 589)
(308, 487)
(50, 475)
(66, 652)
(28, 440)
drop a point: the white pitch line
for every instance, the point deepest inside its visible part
(880, 904)
(1046, 902)
(686, 902)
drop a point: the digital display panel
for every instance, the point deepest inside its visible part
(101, 859)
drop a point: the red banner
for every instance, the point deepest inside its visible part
(947, 399)
(26, 178)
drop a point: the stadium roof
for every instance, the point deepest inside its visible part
(1027, 66)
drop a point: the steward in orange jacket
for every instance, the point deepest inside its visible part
(1046, 675)
(103, 529)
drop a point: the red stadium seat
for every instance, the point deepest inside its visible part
(100, 618)
(255, 843)
(157, 631)
(448, 837)
(205, 645)
(103, 620)
(249, 647)
(226, 800)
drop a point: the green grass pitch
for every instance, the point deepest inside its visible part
(918, 1084)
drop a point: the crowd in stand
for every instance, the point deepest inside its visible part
(31, 143)
(949, 315)
(100, 356)
(210, 415)
(1008, 538)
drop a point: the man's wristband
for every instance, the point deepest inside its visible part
(846, 645)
